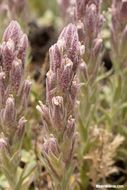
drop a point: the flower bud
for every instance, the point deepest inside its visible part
(55, 58)
(70, 128)
(91, 22)
(21, 127)
(50, 85)
(8, 55)
(13, 32)
(9, 112)
(83, 68)
(67, 34)
(16, 75)
(57, 112)
(51, 78)
(23, 44)
(25, 93)
(17, 139)
(51, 146)
(73, 92)
(44, 110)
(66, 75)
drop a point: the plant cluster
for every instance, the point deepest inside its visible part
(73, 135)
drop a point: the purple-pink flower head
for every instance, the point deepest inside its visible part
(71, 44)
(13, 31)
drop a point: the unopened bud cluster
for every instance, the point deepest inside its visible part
(58, 115)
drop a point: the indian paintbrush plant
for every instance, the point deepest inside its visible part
(114, 108)
(89, 21)
(117, 81)
(58, 115)
(14, 93)
(80, 140)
